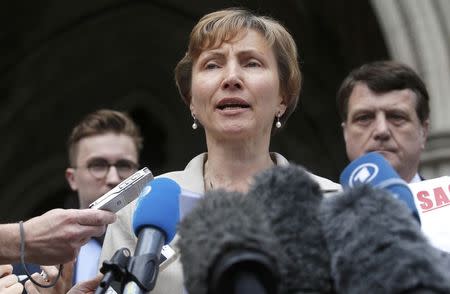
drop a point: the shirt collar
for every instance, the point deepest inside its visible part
(416, 179)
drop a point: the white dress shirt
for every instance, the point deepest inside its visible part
(416, 179)
(87, 261)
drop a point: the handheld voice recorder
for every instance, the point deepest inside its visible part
(125, 192)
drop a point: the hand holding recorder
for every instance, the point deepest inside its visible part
(56, 236)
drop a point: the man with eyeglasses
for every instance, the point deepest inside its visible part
(103, 150)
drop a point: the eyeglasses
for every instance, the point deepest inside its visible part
(99, 168)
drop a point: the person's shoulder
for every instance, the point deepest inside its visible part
(279, 159)
(184, 178)
(327, 186)
(177, 176)
(191, 178)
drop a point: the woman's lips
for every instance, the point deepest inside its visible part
(232, 104)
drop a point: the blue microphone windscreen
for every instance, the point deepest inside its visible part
(373, 169)
(158, 207)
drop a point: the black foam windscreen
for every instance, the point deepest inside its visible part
(377, 247)
(291, 201)
(222, 224)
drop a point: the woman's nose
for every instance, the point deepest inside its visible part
(232, 78)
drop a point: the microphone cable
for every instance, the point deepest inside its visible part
(22, 261)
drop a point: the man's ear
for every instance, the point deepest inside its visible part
(424, 132)
(344, 131)
(70, 177)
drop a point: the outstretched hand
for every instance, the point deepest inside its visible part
(56, 236)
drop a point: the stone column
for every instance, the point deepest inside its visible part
(417, 33)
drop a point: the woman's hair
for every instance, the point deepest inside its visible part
(223, 26)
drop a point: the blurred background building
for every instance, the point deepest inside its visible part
(62, 59)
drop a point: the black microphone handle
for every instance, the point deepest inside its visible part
(247, 281)
(150, 242)
(243, 271)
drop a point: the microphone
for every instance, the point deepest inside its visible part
(376, 247)
(226, 246)
(291, 201)
(373, 169)
(154, 223)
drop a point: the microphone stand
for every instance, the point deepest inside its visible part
(143, 267)
(114, 269)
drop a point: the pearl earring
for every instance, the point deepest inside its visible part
(194, 124)
(278, 123)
